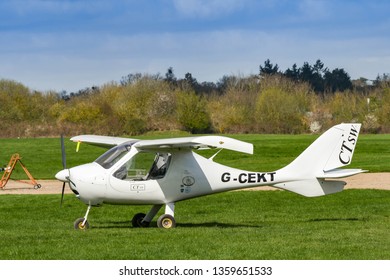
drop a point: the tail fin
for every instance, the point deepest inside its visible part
(321, 160)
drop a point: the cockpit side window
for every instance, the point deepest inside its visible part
(160, 166)
(144, 166)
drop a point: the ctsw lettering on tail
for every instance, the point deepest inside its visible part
(348, 145)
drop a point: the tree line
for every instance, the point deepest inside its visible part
(298, 100)
(320, 78)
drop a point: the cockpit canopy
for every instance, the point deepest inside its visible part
(113, 155)
(141, 166)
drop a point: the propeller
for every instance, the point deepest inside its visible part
(63, 165)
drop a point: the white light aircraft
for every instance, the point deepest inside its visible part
(175, 172)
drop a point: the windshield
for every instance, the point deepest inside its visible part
(112, 156)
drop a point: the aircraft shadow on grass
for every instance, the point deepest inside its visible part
(127, 224)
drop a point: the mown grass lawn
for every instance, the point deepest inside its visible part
(353, 224)
(42, 156)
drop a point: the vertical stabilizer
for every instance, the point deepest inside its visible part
(331, 150)
(322, 160)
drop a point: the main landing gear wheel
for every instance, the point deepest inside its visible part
(137, 220)
(166, 221)
(78, 224)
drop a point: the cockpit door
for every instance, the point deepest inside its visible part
(136, 173)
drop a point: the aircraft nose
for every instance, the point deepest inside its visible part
(63, 175)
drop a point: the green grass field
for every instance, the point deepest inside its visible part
(353, 224)
(42, 156)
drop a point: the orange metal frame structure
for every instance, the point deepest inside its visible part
(11, 166)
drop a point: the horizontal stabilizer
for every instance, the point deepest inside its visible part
(312, 187)
(341, 173)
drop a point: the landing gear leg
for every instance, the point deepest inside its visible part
(142, 220)
(167, 220)
(152, 212)
(82, 223)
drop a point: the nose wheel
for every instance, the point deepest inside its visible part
(82, 223)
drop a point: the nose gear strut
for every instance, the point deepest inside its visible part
(82, 223)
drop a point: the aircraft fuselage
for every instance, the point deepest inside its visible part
(188, 175)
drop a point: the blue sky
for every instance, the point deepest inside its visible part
(74, 44)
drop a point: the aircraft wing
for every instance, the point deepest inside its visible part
(101, 141)
(199, 142)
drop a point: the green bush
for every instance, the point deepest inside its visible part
(23, 112)
(383, 112)
(147, 104)
(232, 112)
(192, 112)
(346, 107)
(281, 107)
(266, 104)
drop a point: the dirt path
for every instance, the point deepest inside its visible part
(48, 187)
(360, 181)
